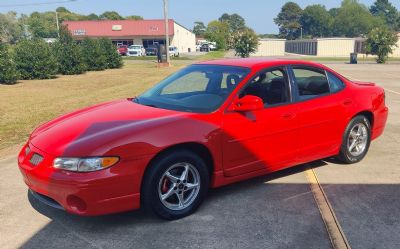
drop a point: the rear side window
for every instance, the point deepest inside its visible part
(335, 83)
(311, 82)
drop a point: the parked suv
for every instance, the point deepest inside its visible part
(122, 50)
(151, 50)
(173, 51)
(136, 50)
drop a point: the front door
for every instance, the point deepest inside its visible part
(264, 139)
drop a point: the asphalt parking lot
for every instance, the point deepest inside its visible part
(275, 211)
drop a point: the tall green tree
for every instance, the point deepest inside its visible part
(234, 21)
(35, 60)
(69, 54)
(10, 29)
(381, 42)
(354, 20)
(245, 42)
(111, 15)
(316, 21)
(385, 10)
(134, 17)
(218, 32)
(8, 70)
(199, 29)
(288, 21)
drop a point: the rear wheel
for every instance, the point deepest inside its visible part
(175, 185)
(356, 140)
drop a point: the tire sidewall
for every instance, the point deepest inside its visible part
(345, 153)
(150, 194)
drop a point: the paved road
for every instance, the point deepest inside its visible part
(276, 211)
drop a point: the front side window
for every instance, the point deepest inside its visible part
(197, 88)
(310, 82)
(271, 86)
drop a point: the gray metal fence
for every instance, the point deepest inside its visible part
(305, 47)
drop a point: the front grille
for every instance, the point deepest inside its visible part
(36, 159)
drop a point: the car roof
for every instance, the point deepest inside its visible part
(257, 62)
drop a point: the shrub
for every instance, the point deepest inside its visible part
(245, 42)
(113, 59)
(35, 60)
(381, 42)
(8, 69)
(93, 55)
(68, 54)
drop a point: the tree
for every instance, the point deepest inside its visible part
(92, 17)
(288, 21)
(10, 30)
(111, 15)
(316, 21)
(199, 29)
(381, 42)
(68, 54)
(354, 20)
(134, 17)
(245, 42)
(35, 60)
(113, 59)
(218, 32)
(93, 55)
(235, 22)
(8, 69)
(385, 10)
(41, 25)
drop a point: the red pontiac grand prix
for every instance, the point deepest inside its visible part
(208, 125)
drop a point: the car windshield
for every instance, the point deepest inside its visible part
(197, 88)
(134, 47)
(171, 49)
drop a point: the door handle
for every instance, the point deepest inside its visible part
(347, 102)
(288, 115)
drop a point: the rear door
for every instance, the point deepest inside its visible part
(322, 111)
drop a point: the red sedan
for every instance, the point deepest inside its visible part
(208, 125)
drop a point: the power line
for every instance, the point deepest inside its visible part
(35, 4)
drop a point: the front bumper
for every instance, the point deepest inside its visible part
(111, 190)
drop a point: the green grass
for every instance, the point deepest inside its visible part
(340, 59)
(28, 103)
(211, 55)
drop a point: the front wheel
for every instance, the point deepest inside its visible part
(175, 184)
(356, 140)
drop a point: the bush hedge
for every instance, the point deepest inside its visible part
(113, 59)
(93, 55)
(68, 54)
(35, 60)
(8, 70)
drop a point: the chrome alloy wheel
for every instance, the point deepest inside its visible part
(357, 140)
(179, 186)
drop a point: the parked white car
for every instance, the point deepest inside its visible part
(136, 50)
(173, 51)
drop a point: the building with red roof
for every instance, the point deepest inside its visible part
(134, 32)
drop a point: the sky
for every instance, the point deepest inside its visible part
(259, 14)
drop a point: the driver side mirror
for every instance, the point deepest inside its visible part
(247, 103)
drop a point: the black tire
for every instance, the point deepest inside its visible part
(345, 155)
(150, 186)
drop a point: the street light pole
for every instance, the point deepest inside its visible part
(166, 29)
(58, 25)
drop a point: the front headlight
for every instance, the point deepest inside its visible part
(84, 164)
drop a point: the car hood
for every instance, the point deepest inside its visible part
(82, 132)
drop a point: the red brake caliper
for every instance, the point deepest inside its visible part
(164, 188)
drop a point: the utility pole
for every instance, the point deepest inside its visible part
(58, 25)
(166, 29)
(301, 33)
